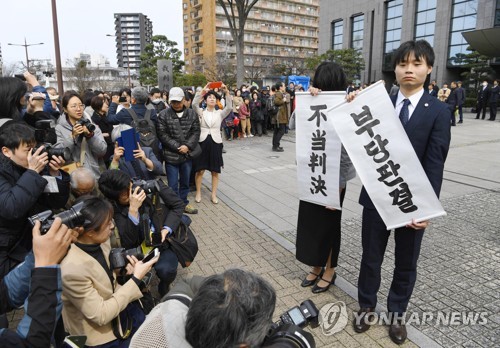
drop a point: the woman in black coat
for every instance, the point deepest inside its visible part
(100, 107)
(318, 227)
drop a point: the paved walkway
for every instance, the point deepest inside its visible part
(254, 226)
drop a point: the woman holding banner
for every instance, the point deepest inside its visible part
(319, 247)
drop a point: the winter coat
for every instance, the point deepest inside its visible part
(21, 194)
(95, 147)
(282, 116)
(167, 129)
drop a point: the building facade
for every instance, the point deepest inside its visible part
(277, 33)
(377, 27)
(133, 32)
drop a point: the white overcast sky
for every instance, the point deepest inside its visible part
(83, 26)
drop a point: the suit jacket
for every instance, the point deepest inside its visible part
(432, 93)
(211, 125)
(89, 302)
(494, 94)
(483, 94)
(429, 134)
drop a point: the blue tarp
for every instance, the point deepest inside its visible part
(300, 80)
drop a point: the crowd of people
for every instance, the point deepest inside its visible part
(90, 169)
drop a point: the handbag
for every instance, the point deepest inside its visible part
(70, 168)
(183, 242)
(196, 152)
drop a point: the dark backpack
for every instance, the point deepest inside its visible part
(271, 108)
(147, 132)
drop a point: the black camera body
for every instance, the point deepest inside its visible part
(64, 152)
(45, 137)
(148, 186)
(86, 123)
(289, 328)
(118, 256)
(71, 218)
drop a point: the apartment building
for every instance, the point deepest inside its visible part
(277, 32)
(133, 32)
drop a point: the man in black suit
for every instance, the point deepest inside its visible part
(427, 124)
(493, 100)
(461, 100)
(483, 94)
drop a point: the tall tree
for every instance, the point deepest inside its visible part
(476, 69)
(350, 59)
(160, 48)
(236, 12)
(79, 74)
(220, 68)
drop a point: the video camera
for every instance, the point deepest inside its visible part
(289, 328)
(71, 218)
(86, 123)
(45, 137)
(148, 186)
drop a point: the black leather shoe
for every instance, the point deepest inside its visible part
(397, 332)
(460, 121)
(306, 282)
(318, 289)
(360, 322)
(277, 149)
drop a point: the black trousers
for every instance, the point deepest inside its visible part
(481, 105)
(279, 131)
(493, 111)
(407, 250)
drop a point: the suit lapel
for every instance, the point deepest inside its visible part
(419, 113)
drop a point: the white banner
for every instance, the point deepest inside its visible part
(384, 158)
(317, 148)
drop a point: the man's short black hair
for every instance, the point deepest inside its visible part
(154, 90)
(421, 49)
(16, 133)
(113, 182)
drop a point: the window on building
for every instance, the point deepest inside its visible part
(497, 14)
(393, 23)
(425, 21)
(463, 18)
(357, 32)
(338, 34)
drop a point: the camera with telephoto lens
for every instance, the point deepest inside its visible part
(86, 123)
(118, 256)
(288, 330)
(45, 137)
(71, 218)
(148, 186)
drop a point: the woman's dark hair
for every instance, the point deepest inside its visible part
(96, 103)
(67, 96)
(16, 133)
(236, 92)
(96, 211)
(229, 309)
(255, 93)
(421, 49)
(215, 94)
(12, 90)
(87, 97)
(330, 76)
(126, 90)
(113, 182)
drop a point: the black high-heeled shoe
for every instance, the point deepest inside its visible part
(306, 282)
(318, 289)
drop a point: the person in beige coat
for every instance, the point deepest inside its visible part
(210, 138)
(92, 298)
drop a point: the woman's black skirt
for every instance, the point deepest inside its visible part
(211, 156)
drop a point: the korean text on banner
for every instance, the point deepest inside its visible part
(384, 158)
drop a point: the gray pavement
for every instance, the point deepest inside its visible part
(460, 252)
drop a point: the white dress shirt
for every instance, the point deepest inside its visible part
(414, 99)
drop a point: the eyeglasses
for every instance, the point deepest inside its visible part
(76, 106)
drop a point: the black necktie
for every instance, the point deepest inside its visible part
(404, 114)
(137, 169)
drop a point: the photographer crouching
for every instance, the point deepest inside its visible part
(232, 309)
(143, 220)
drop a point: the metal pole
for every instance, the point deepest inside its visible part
(60, 85)
(27, 60)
